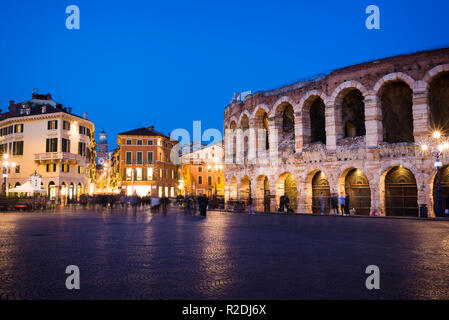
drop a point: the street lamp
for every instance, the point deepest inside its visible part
(437, 148)
(6, 165)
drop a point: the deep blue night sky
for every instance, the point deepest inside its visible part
(138, 63)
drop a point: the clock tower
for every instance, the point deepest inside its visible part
(103, 148)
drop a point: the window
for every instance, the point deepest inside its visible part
(65, 167)
(159, 142)
(82, 130)
(172, 174)
(172, 192)
(139, 174)
(88, 132)
(219, 180)
(160, 173)
(128, 157)
(160, 156)
(18, 128)
(166, 173)
(200, 169)
(166, 158)
(82, 148)
(139, 157)
(150, 142)
(51, 167)
(139, 142)
(52, 145)
(129, 142)
(52, 125)
(17, 148)
(17, 169)
(200, 180)
(65, 145)
(129, 173)
(80, 169)
(150, 173)
(209, 180)
(150, 157)
(65, 125)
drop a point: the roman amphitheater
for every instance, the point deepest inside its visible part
(356, 131)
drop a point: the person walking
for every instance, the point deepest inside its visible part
(347, 205)
(321, 200)
(281, 204)
(287, 204)
(203, 201)
(250, 206)
(342, 203)
(334, 203)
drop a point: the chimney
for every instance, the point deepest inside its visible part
(151, 128)
(12, 107)
(84, 115)
(69, 109)
(11, 102)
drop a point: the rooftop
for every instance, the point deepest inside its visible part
(144, 131)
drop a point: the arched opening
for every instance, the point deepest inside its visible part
(444, 178)
(244, 125)
(71, 191)
(261, 126)
(245, 189)
(17, 185)
(359, 192)
(397, 114)
(317, 121)
(439, 103)
(287, 130)
(320, 188)
(286, 185)
(233, 130)
(401, 193)
(51, 191)
(79, 190)
(353, 114)
(263, 194)
(234, 190)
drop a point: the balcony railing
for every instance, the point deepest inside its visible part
(57, 156)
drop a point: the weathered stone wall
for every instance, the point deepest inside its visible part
(339, 155)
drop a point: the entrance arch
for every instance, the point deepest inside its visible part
(245, 189)
(263, 194)
(234, 190)
(320, 185)
(359, 192)
(51, 190)
(401, 193)
(286, 184)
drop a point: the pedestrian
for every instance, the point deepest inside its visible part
(281, 204)
(321, 200)
(347, 205)
(202, 202)
(250, 206)
(342, 203)
(286, 204)
(334, 203)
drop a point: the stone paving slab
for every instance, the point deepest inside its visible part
(126, 255)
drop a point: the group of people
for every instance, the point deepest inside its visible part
(191, 203)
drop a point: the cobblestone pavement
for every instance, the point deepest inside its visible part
(122, 255)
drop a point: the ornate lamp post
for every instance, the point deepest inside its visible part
(437, 147)
(6, 165)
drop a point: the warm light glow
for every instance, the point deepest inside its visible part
(5, 156)
(13, 164)
(437, 135)
(441, 148)
(425, 147)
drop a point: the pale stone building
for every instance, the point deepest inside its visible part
(356, 131)
(41, 136)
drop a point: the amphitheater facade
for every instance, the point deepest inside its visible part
(356, 131)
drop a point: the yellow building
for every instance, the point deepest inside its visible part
(41, 136)
(202, 170)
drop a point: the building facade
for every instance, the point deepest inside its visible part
(145, 166)
(41, 136)
(356, 131)
(202, 171)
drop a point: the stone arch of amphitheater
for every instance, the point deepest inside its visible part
(355, 131)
